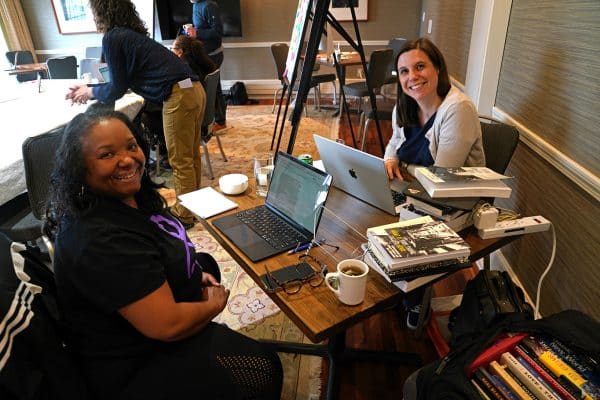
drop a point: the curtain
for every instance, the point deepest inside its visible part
(15, 27)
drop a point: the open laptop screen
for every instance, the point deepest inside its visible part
(298, 191)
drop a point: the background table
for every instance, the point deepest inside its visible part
(25, 113)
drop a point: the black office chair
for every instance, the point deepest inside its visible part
(62, 67)
(379, 62)
(385, 107)
(211, 82)
(396, 45)
(39, 160)
(20, 57)
(499, 143)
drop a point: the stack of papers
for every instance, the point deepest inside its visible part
(206, 202)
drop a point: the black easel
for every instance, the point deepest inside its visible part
(320, 16)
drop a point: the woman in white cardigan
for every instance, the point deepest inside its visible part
(433, 123)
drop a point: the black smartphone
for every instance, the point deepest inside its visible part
(301, 271)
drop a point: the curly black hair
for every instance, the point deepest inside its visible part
(68, 195)
(109, 14)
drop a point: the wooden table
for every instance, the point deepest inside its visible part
(317, 311)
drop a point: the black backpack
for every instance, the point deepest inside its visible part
(238, 95)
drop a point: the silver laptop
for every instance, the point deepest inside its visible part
(361, 175)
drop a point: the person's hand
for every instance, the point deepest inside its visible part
(393, 169)
(79, 94)
(190, 31)
(217, 294)
(209, 280)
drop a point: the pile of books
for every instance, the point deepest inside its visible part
(534, 367)
(462, 182)
(415, 252)
(454, 212)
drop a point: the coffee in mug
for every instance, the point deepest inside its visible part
(351, 278)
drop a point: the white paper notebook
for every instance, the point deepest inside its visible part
(206, 202)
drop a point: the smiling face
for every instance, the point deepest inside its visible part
(114, 161)
(418, 76)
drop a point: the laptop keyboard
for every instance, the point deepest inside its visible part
(271, 228)
(399, 198)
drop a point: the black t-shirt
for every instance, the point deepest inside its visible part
(112, 257)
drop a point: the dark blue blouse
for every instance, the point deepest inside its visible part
(415, 149)
(138, 62)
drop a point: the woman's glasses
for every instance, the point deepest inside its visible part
(293, 285)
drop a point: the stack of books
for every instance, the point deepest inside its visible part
(415, 252)
(462, 182)
(454, 212)
(534, 367)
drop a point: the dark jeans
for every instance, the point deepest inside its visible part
(220, 106)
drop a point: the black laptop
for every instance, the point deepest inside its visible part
(290, 215)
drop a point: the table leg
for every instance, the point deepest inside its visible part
(335, 350)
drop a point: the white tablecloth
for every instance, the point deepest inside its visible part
(24, 112)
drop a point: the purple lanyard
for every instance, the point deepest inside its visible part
(176, 230)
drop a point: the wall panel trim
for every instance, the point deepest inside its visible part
(569, 167)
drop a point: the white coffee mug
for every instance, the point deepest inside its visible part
(351, 277)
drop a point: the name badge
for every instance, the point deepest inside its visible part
(185, 84)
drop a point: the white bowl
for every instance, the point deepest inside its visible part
(233, 183)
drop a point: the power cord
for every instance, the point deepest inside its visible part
(536, 311)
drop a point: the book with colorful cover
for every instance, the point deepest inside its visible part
(416, 242)
(513, 384)
(462, 182)
(523, 374)
(537, 376)
(506, 392)
(585, 365)
(542, 372)
(560, 368)
(482, 377)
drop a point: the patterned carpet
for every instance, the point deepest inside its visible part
(249, 310)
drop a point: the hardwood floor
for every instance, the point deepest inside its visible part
(386, 330)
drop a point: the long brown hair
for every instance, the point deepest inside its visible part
(406, 106)
(109, 14)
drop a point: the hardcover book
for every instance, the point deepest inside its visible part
(404, 285)
(417, 241)
(462, 182)
(417, 192)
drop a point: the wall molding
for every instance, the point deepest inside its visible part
(581, 176)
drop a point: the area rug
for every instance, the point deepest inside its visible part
(250, 132)
(249, 310)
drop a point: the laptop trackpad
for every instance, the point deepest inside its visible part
(398, 185)
(248, 241)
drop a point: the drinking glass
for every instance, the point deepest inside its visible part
(263, 169)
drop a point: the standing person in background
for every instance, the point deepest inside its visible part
(207, 26)
(433, 123)
(147, 67)
(192, 51)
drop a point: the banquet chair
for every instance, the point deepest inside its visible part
(376, 73)
(20, 57)
(39, 159)
(211, 82)
(280, 52)
(500, 141)
(62, 67)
